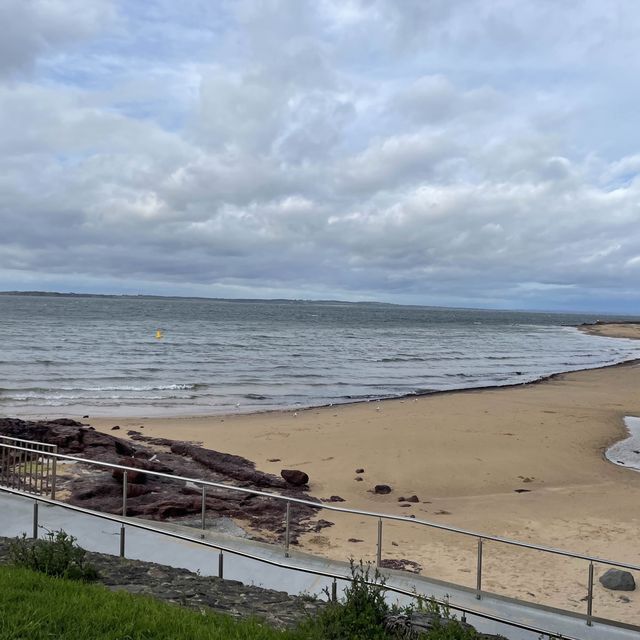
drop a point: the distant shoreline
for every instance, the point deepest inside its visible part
(629, 329)
(150, 296)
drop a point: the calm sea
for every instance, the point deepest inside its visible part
(70, 355)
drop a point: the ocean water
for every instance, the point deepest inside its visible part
(75, 355)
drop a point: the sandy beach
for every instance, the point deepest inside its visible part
(524, 462)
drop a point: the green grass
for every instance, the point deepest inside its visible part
(34, 606)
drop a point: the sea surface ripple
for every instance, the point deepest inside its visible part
(100, 355)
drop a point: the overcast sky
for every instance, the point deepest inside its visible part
(465, 153)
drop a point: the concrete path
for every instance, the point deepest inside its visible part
(101, 535)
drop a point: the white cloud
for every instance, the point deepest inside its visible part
(32, 28)
(427, 152)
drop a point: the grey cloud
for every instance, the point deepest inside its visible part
(35, 27)
(293, 163)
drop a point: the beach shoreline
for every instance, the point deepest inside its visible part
(523, 461)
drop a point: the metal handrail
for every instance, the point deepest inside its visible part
(47, 446)
(371, 514)
(283, 565)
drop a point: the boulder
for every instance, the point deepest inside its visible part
(382, 489)
(295, 477)
(134, 477)
(617, 580)
(413, 498)
(359, 470)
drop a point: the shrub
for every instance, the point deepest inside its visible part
(56, 555)
(361, 615)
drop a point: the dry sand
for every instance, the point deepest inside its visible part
(464, 454)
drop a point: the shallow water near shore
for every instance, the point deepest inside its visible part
(626, 453)
(67, 355)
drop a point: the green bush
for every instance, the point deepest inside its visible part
(365, 615)
(361, 615)
(56, 555)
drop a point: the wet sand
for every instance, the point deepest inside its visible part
(524, 462)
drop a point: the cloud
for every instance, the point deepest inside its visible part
(33, 28)
(420, 152)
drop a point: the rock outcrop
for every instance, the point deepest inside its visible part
(159, 498)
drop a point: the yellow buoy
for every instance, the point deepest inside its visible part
(159, 334)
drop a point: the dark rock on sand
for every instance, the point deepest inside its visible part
(158, 498)
(71, 437)
(401, 564)
(359, 470)
(227, 464)
(295, 477)
(333, 499)
(618, 580)
(413, 498)
(382, 489)
(115, 428)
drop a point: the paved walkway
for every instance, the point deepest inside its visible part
(104, 536)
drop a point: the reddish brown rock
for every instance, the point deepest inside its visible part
(295, 477)
(229, 465)
(135, 477)
(158, 498)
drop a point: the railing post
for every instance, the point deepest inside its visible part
(203, 515)
(35, 519)
(287, 529)
(54, 473)
(22, 479)
(479, 571)
(220, 565)
(334, 591)
(37, 477)
(590, 595)
(124, 494)
(379, 545)
(124, 511)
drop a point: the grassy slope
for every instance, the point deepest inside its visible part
(34, 607)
